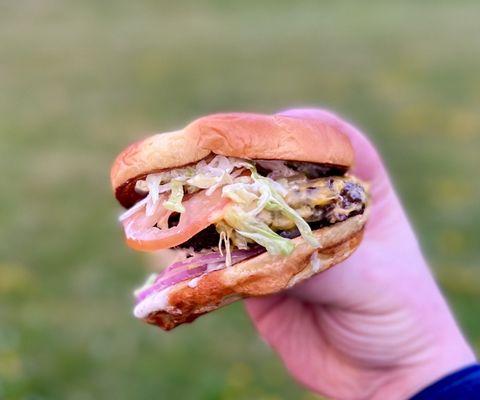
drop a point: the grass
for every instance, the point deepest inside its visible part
(79, 80)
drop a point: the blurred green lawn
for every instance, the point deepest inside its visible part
(80, 80)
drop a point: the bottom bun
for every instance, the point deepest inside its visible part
(258, 276)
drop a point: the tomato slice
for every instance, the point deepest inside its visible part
(200, 211)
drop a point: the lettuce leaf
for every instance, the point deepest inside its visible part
(252, 198)
(276, 202)
(218, 172)
(250, 227)
(174, 202)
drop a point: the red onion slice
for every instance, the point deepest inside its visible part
(192, 268)
(214, 257)
(172, 280)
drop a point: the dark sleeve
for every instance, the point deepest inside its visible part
(463, 384)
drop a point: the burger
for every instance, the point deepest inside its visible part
(251, 204)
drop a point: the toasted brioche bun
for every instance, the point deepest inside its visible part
(243, 135)
(261, 275)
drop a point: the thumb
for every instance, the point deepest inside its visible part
(368, 164)
(384, 207)
(385, 221)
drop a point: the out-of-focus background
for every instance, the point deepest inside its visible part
(80, 80)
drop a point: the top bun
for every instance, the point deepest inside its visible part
(243, 135)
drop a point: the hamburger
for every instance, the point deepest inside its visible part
(251, 204)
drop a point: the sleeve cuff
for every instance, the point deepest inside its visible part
(463, 384)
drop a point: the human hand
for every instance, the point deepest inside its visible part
(376, 326)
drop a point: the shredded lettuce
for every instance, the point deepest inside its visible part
(250, 227)
(277, 203)
(225, 239)
(230, 237)
(219, 171)
(252, 198)
(174, 202)
(241, 193)
(133, 210)
(153, 185)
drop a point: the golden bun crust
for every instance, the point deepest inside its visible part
(273, 137)
(262, 275)
(244, 135)
(157, 152)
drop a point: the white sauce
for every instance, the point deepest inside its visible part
(315, 262)
(214, 267)
(155, 302)
(194, 282)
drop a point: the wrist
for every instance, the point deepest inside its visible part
(440, 361)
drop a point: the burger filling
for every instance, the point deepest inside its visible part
(319, 202)
(223, 210)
